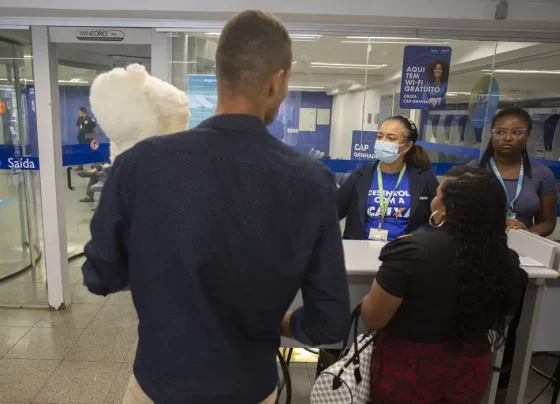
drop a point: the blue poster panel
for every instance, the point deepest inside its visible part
(363, 144)
(483, 102)
(425, 76)
(203, 97)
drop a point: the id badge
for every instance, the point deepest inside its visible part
(510, 216)
(378, 234)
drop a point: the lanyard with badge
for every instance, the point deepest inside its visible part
(380, 234)
(510, 213)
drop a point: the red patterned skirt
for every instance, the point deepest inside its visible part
(407, 372)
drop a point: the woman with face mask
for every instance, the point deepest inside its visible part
(391, 196)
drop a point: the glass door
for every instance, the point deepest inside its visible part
(19, 244)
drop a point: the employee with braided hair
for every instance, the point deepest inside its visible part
(438, 294)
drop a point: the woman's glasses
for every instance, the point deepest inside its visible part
(502, 133)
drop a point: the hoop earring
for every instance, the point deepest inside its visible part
(432, 221)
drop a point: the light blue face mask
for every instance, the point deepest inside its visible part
(386, 152)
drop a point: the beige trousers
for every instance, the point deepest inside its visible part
(135, 394)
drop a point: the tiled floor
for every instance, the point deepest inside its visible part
(81, 355)
(31, 289)
(84, 355)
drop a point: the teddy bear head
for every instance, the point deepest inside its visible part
(130, 105)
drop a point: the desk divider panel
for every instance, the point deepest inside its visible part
(538, 248)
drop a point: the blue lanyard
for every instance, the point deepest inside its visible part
(519, 182)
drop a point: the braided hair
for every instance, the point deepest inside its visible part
(489, 152)
(475, 208)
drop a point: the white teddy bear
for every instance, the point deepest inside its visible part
(130, 105)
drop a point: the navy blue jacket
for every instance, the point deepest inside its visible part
(215, 236)
(353, 195)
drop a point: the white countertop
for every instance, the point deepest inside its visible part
(362, 258)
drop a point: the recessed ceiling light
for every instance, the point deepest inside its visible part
(305, 38)
(346, 65)
(383, 37)
(309, 87)
(522, 71)
(396, 42)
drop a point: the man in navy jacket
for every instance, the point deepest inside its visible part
(218, 233)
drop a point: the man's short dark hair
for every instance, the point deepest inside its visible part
(82, 109)
(253, 46)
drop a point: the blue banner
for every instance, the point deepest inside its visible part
(363, 143)
(483, 104)
(18, 163)
(80, 154)
(203, 97)
(425, 76)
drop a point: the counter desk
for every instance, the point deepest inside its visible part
(362, 263)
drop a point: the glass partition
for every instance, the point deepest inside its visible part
(344, 87)
(19, 238)
(312, 119)
(85, 146)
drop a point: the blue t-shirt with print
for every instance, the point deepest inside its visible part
(398, 212)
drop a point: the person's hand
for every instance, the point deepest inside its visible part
(514, 224)
(286, 325)
(433, 101)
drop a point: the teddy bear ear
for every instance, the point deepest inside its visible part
(137, 72)
(168, 101)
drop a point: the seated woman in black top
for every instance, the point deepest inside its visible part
(438, 294)
(391, 196)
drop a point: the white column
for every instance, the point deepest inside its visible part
(161, 55)
(45, 76)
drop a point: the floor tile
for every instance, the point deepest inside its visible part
(301, 386)
(78, 262)
(121, 298)
(79, 383)
(80, 294)
(118, 389)
(21, 379)
(9, 336)
(45, 343)
(75, 316)
(113, 316)
(9, 290)
(102, 345)
(74, 275)
(21, 317)
(32, 293)
(37, 274)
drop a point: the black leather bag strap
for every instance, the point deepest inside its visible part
(354, 320)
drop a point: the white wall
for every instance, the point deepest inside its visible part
(347, 115)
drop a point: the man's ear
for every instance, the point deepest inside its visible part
(276, 82)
